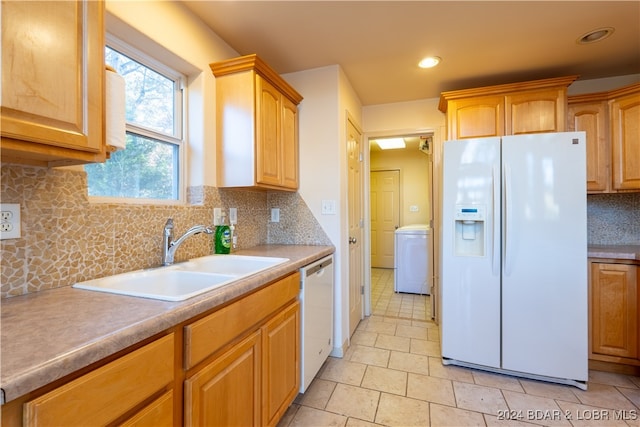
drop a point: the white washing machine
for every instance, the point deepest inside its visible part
(412, 259)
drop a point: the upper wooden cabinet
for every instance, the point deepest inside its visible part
(510, 109)
(257, 126)
(624, 105)
(611, 121)
(53, 82)
(589, 113)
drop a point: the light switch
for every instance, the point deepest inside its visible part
(328, 207)
(217, 216)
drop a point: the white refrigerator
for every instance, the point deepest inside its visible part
(514, 256)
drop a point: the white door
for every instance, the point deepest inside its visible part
(385, 216)
(471, 283)
(356, 260)
(544, 290)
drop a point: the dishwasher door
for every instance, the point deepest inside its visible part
(316, 312)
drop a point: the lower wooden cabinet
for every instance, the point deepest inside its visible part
(243, 361)
(238, 365)
(615, 305)
(226, 392)
(252, 383)
(281, 363)
(116, 390)
(158, 413)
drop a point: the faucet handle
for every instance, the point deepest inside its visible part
(169, 223)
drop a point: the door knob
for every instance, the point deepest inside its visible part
(352, 240)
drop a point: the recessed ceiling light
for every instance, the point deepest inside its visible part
(390, 143)
(595, 35)
(428, 62)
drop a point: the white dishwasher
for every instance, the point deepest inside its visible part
(316, 312)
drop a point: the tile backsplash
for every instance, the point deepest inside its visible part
(66, 238)
(613, 219)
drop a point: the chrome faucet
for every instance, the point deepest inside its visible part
(170, 246)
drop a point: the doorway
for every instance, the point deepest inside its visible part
(413, 167)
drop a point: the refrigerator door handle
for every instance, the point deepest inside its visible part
(507, 218)
(495, 249)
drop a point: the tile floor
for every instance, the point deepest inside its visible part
(386, 302)
(392, 375)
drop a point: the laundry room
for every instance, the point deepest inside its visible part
(401, 213)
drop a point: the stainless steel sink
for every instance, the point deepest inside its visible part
(182, 281)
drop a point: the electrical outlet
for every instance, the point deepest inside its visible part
(9, 221)
(275, 214)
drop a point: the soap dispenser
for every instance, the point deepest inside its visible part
(222, 238)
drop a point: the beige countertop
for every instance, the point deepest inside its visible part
(49, 334)
(631, 252)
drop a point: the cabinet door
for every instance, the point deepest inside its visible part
(281, 369)
(476, 117)
(625, 141)
(535, 111)
(614, 311)
(268, 133)
(592, 119)
(226, 392)
(52, 81)
(289, 144)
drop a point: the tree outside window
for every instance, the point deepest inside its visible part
(149, 166)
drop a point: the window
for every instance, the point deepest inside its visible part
(150, 166)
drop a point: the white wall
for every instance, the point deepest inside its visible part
(415, 182)
(172, 34)
(404, 116)
(349, 108)
(328, 98)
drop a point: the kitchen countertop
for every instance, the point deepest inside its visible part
(49, 334)
(631, 252)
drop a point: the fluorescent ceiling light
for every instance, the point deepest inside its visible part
(428, 62)
(390, 143)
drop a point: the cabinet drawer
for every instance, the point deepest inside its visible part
(209, 334)
(107, 393)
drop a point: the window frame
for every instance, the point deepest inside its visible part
(179, 136)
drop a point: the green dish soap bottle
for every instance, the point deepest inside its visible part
(222, 239)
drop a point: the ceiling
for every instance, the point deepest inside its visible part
(379, 43)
